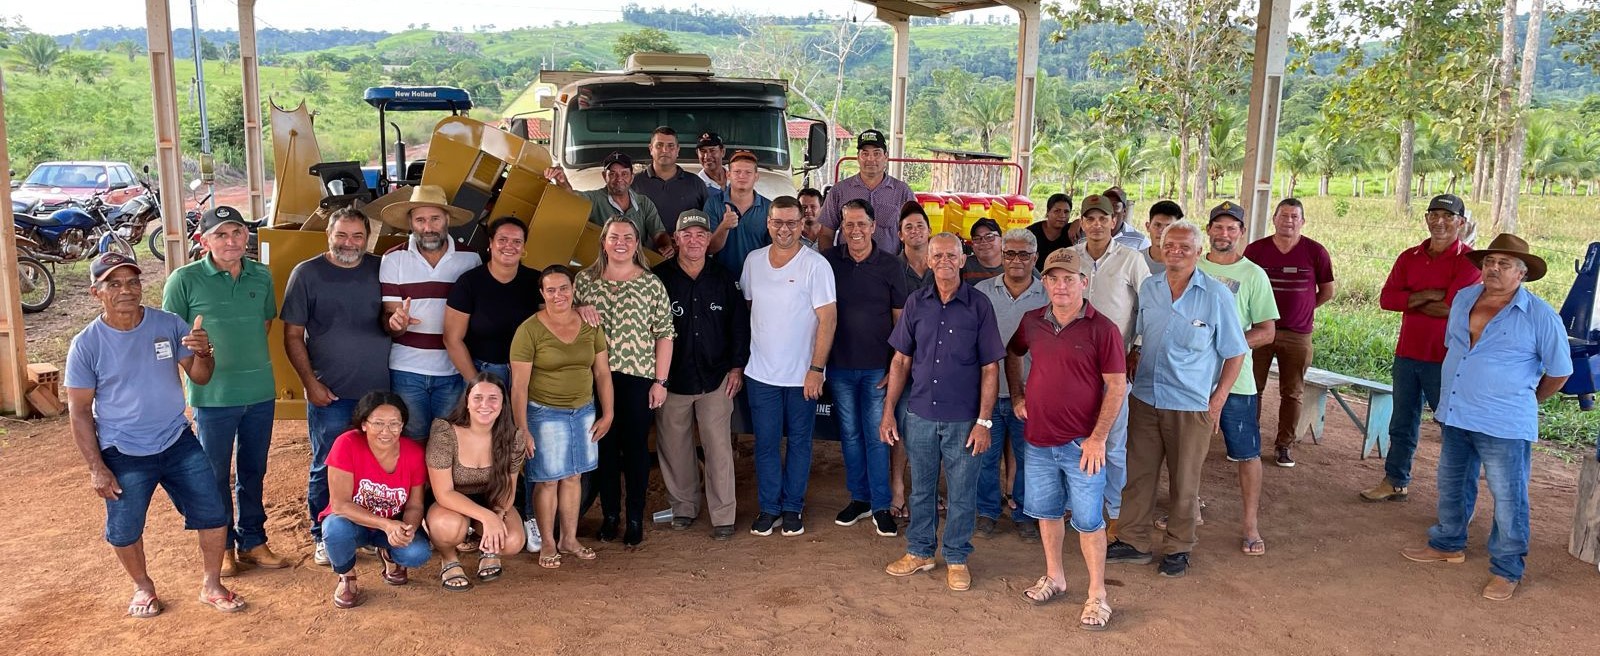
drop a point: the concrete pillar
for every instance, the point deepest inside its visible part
(169, 157)
(14, 356)
(901, 24)
(254, 162)
(1027, 82)
(1261, 132)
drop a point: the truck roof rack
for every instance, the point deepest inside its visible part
(664, 62)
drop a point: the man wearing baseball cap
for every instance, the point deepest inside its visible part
(710, 351)
(986, 261)
(709, 150)
(125, 398)
(237, 296)
(873, 184)
(1124, 232)
(1080, 368)
(618, 198)
(1506, 352)
(1258, 315)
(1421, 285)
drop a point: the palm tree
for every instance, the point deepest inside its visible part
(128, 48)
(984, 113)
(309, 81)
(1295, 156)
(1226, 145)
(38, 53)
(1164, 158)
(1125, 161)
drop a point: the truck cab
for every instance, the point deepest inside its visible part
(598, 113)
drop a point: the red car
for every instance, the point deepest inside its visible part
(53, 184)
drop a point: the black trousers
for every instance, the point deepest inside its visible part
(624, 451)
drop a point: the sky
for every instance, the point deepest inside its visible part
(390, 15)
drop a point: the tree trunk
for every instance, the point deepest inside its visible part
(1477, 173)
(1183, 168)
(1519, 130)
(1322, 185)
(1585, 542)
(1504, 181)
(1202, 172)
(1408, 143)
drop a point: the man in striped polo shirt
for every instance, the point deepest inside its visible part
(415, 281)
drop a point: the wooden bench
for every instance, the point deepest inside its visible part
(1320, 383)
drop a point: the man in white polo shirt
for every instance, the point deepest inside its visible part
(416, 280)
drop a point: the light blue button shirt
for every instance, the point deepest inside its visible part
(1008, 314)
(1185, 342)
(1488, 387)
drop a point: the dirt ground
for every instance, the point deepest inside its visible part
(1331, 583)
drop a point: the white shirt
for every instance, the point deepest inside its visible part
(1114, 281)
(783, 318)
(404, 273)
(707, 179)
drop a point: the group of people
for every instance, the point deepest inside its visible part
(504, 386)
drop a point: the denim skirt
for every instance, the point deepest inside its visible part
(561, 444)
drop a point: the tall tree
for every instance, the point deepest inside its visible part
(648, 39)
(1509, 165)
(1194, 54)
(38, 53)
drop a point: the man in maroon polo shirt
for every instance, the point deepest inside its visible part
(1302, 279)
(1423, 282)
(1078, 360)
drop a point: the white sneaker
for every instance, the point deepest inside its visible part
(320, 556)
(535, 541)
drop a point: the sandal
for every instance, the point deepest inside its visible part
(1043, 592)
(550, 562)
(1256, 547)
(228, 603)
(488, 567)
(346, 595)
(457, 582)
(899, 512)
(146, 609)
(399, 576)
(1096, 615)
(583, 553)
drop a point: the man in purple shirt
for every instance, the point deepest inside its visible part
(1302, 279)
(949, 341)
(873, 184)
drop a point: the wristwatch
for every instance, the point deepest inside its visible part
(816, 368)
(986, 423)
(661, 381)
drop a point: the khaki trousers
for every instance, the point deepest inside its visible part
(1293, 351)
(680, 471)
(1181, 440)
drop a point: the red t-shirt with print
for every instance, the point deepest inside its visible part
(382, 492)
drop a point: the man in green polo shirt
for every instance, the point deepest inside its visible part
(234, 297)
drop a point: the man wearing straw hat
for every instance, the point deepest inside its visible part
(415, 281)
(1506, 351)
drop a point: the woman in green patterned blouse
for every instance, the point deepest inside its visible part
(637, 316)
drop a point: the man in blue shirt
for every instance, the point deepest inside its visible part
(126, 403)
(738, 214)
(1506, 351)
(948, 340)
(1192, 350)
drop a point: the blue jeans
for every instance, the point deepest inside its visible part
(182, 470)
(427, 398)
(1007, 427)
(1414, 381)
(781, 472)
(931, 445)
(249, 428)
(1241, 431)
(1505, 464)
(1117, 461)
(858, 405)
(503, 370)
(325, 425)
(1057, 478)
(342, 537)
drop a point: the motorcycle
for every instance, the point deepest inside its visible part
(191, 221)
(35, 284)
(71, 234)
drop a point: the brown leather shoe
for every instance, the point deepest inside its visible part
(262, 556)
(957, 577)
(908, 565)
(1499, 589)
(1111, 530)
(1385, 491)
(230, 565)
(1427, 554)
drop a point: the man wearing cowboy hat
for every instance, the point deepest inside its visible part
(415, 282)
(1506, 351)
(886, 193)
(234, 411)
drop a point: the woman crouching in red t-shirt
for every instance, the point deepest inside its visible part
(375, 484)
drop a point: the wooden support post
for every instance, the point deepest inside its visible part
(1585, 544)
(254, 162)
(1261, 131)
(169, 158)
(901, 25)
(13, 341)
(1028, 25)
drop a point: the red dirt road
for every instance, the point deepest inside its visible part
(1331, 583)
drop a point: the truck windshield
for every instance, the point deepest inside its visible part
(594, 132)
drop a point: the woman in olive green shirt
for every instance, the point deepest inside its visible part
(558, 369)
(637, 315)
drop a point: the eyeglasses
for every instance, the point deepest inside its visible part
(384, 426)
(783, 225)
(1016, 255)
(988, 236)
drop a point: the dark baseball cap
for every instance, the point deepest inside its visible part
(709, 140)
(1167, 208)
(1116, 195)
(986, 222)
(216, 216)
(871, 138)
(693, 219)
(1449, 202)
(102, 266)
(616, 157)
(1096, 202)
(1227, 210)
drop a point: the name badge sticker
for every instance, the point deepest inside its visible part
(163, 349)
